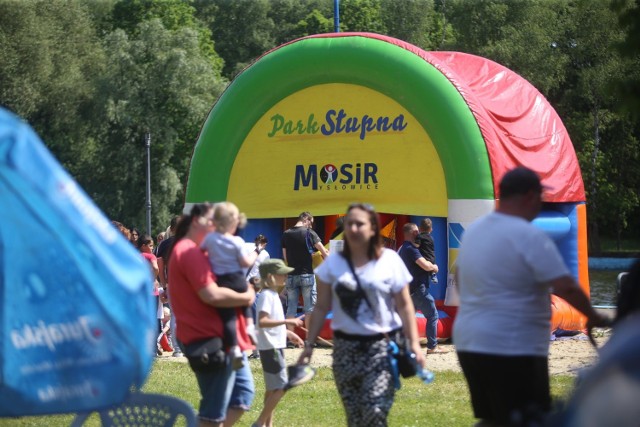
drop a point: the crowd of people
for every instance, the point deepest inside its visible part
(223, 290)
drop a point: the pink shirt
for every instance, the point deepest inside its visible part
(151, 257)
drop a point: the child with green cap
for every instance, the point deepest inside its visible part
(272, 335)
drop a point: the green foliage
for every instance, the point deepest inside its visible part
(50, 56)
(294, 18)
(409, 20)
(93, 76)
(242, 31)
(160, 71)
(361, 15)
(628, 88)
(603, 137)
(174, 14)
(519, 34)
(313, 23)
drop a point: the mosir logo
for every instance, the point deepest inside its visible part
(361, 176)
(336, 122)
(53, 334)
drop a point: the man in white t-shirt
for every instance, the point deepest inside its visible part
(506, 270)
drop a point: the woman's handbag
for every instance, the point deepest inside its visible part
(404, 356)
(205, 355)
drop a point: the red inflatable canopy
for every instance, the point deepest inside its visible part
(518, 124)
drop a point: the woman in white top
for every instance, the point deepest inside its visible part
(368, 308)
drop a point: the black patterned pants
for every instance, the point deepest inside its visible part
(362, 374)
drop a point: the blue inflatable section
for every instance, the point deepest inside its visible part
(621, 264)
(77, 325)
(561, 224)
(271, 228)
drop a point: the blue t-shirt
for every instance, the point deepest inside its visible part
(409, 254)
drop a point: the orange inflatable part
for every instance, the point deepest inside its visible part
(564, 316)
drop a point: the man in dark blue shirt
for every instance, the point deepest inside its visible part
(421, 270)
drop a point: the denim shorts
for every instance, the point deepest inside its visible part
(305, 284)
(224, 389)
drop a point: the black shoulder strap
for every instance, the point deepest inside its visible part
(355, 275)
(308, 239)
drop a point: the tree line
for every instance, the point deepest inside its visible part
(94, 76)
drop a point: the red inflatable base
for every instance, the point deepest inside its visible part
(445, 325)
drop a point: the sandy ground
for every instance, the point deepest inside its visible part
(568, 355)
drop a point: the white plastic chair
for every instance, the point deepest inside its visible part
(144, 409)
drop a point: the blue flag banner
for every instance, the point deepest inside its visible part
(77, 315)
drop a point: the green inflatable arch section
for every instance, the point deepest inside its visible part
(359, 60)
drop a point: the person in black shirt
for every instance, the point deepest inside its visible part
(426, 245)
(298, 244)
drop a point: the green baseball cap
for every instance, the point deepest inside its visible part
(273, 266)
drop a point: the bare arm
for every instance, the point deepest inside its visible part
(155, 268)
(426, 265)
(322, 307)
(216, 296)
(566, 288)
(295, 338)
(284, 256)
(323, 251)
(264, 321)
(249, 259)
(162, 278)
(408, 315)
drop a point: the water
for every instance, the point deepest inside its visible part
(603, 286)
(425, 375)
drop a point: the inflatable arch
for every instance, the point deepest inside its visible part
(330, 119)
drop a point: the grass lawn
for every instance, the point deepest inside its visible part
(445, 402)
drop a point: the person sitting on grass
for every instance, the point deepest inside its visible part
(272, 335)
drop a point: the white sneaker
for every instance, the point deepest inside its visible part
(299, 374)
(237, 359)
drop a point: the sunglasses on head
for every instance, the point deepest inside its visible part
(364, 206)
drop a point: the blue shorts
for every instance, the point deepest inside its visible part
(304, 284)
(224, 389)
